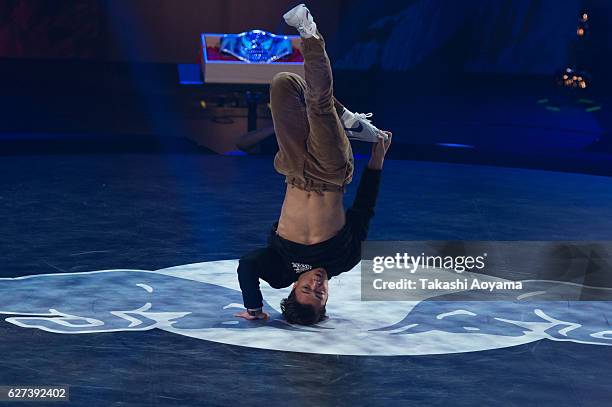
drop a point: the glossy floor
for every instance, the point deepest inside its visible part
(87, 212)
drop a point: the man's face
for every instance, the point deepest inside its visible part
(311, 288)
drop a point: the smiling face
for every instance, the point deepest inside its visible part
(312, 288)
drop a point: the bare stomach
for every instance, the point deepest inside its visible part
(310, 217)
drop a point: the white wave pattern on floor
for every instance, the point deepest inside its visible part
(199, 300)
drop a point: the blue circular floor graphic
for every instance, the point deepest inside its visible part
(199, 301)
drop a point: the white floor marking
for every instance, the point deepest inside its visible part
(457, 312)
(199, 300)
(147, 287)
(531, 294)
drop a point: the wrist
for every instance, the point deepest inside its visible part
(255, 311)
(375, 165)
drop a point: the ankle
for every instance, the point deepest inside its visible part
(346, 115)
(310, 31)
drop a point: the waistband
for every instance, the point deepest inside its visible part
(310, 185)
(276, 239)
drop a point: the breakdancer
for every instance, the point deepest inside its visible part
(314, 238)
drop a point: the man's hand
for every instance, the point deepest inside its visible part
(379, 150)
(245, 314)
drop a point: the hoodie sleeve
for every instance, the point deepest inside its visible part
(362, 210)
(250, 269)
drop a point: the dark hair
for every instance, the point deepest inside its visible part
(303, 314)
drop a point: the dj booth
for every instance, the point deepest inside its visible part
(236, 70)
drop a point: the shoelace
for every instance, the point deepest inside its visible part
(309, 31)
(364, 116)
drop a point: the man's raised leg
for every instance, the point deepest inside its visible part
(291, 126)
(330, 159)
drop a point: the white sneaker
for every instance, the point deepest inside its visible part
(299, 17)
(358, 127)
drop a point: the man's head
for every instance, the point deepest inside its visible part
(306, 303)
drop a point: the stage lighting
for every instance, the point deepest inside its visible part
(583, 27)
(584, 17)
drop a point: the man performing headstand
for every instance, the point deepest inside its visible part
(314, 238)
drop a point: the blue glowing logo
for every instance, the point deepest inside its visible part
(256, 46)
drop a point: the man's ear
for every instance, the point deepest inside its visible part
(294, 285)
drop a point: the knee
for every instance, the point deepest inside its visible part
(284, 82)
(321, 105)
(282, 78)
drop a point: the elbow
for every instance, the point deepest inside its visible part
(247, 274)
(244, 268)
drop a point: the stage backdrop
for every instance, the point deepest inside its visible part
(492, 36)
(165, 31)
(479, 36)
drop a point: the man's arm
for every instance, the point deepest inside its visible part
(362, 209)
(250, 268)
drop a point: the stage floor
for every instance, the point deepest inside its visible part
(89, 212)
